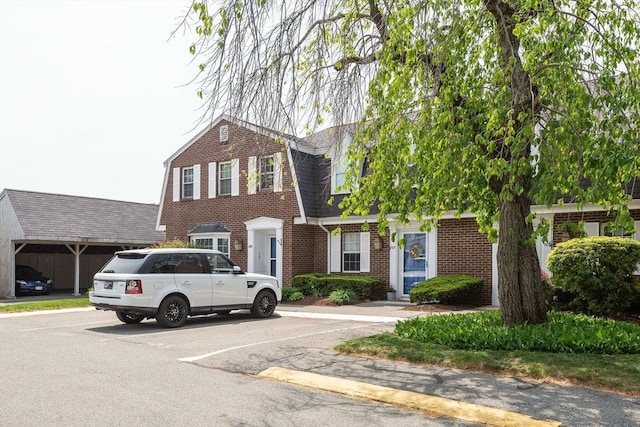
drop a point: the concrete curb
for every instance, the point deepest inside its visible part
(435, 405)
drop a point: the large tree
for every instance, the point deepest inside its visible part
(482, 106)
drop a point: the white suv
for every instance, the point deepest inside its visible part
(171, 284)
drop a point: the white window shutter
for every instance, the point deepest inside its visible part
(365, 252)
(252, 177)
(196, 182)
(592, 229)
(235, 177)
(277, 172)
(176, 184)
(636, 225)
(212, 180)
(336, 253)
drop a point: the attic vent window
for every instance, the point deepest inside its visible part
(224, 133)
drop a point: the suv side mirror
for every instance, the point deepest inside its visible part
(237, 269)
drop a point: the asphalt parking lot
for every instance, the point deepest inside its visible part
(88, 357)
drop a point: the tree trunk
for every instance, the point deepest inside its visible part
(520, 287)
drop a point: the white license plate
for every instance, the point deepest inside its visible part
(38, 288)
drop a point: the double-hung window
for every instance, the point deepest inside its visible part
(266, 172)
(224, 184)
(351, 252)
(218, 242)
(187, 183)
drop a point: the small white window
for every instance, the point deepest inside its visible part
(224, 133)
(351, 252)
(212, 241)
(266, 172)
(225, 175)
(616, 232)
(187, 183)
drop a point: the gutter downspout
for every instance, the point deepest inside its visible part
(328, 245)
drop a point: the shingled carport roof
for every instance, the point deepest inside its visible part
(46, 217)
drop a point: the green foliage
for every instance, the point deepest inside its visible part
(563, 333)
(175, 243)
(597, 272)
(55, 304)
(447, 289)
(463, 106)
(322, 284)
(291, 294)
(620, 372)
(342, 297)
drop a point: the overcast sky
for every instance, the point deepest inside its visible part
(93, 96)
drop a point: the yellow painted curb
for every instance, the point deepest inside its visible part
(439, 406)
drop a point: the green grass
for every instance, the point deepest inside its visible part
(612, 372)
(55, 304)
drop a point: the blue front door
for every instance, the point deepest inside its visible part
(414, 260)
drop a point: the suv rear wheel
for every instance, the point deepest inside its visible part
(173, 312)
(264, 305)
(129, 318)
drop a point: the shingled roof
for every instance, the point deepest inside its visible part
(63, 218)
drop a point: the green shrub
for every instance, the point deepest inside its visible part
(342, 297)
(563, 333)
(175, 243)
(322, 284)
(446, 289)
(597, 272)
(291, 294)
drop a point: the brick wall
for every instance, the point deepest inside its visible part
(378, 258)
(231, 211)
(562, 230)
(463, 250)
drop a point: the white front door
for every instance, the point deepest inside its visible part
(413, 261)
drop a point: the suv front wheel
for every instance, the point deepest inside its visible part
(173, 312)
(264, 305)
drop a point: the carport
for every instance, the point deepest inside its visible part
(68, 238)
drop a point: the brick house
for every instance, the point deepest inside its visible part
(261, 197)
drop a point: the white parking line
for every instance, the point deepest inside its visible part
(72, 325)
(41, 312)
(224, 350)
(333, 316)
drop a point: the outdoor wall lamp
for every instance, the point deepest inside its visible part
(377, 243)
(238, 244)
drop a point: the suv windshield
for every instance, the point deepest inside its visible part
(125, 263)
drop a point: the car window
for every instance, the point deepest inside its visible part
(219, 263)
(125, 263)
(189, 264)
(159, 264)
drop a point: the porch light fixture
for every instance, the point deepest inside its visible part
(377, 243)
(238, 244)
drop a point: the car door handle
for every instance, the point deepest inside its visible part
(186, 283)
(219, 283)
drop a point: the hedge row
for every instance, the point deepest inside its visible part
(322, 284)
(447, 289)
